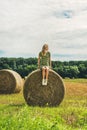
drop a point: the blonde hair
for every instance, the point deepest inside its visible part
(44, 48)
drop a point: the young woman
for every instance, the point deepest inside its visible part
(44, 63)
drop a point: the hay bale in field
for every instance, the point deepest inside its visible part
(10, 81)
(37, 95)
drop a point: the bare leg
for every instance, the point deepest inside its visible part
(47, 73)
(43, 73)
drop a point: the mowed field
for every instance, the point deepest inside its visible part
(71, 114)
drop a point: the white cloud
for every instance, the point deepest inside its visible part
(26, 25)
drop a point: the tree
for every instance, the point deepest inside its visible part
(74, 71)
(83, 71)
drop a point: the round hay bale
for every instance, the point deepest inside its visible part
(36, 94)
(10, 82)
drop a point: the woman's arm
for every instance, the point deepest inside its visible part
(38, 61)
(50, 62)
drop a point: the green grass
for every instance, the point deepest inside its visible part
(70, 115)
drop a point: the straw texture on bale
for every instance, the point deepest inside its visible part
(10, 81)
(36, 94)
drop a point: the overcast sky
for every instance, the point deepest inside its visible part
(25, 25)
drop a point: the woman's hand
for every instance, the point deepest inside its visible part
(50, 67)
(38, 66)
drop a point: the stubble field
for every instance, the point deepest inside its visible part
(71, 114)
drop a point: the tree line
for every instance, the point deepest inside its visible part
(24, 66)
